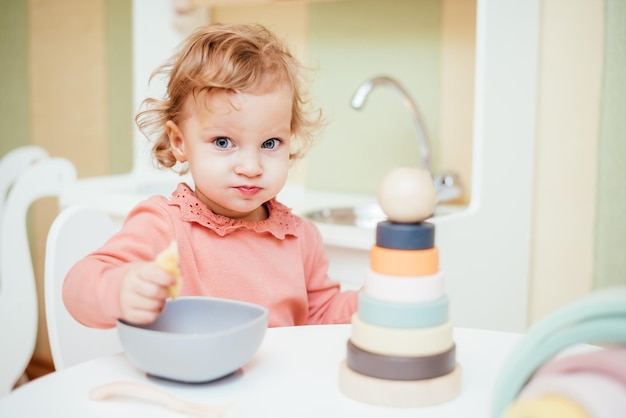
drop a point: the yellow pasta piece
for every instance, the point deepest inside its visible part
(167, 260)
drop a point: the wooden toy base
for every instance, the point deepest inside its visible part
(399, 393)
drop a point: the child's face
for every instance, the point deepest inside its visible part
(237, 147)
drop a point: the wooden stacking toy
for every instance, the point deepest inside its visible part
(401, 352)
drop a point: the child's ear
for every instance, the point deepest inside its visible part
(175, 136)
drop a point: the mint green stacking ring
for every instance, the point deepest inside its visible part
(598, 318)
(403, 315)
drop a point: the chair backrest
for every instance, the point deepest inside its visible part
(13, 164)
(75, 232)
(18, 291)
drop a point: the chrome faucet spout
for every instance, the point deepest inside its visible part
(358, 100)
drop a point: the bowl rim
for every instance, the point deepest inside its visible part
(263, 316)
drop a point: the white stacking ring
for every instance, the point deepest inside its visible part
(403, 289)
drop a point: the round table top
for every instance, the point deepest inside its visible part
(294, 374)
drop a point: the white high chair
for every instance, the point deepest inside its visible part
(18, 292)
(75, 232)
(13, 164)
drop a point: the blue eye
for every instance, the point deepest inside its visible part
(271, 143)
(222, 142)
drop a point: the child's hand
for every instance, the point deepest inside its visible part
(143, 293)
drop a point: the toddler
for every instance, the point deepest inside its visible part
(235, 115)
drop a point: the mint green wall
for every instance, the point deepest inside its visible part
(14, 104)
(353, 41)
(610, 248)
(119, 85)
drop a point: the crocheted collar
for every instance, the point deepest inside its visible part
(280, 223)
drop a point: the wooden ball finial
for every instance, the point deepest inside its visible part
(407, 195)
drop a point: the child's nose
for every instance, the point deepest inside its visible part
(249, 164)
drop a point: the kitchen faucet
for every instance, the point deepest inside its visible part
(447, 184)
(358, 100)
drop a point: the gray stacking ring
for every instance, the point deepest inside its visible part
(399, 236)
(400, 368)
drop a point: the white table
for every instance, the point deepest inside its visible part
(293, 375)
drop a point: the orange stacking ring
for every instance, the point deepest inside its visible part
(404, 262)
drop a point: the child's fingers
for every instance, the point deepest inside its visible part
(141, 316)
(149, 272)
(149, 305)
(144, 292)
(141, 309)
(151, 291)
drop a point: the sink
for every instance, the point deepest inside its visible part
(362, 215)
(367, 215)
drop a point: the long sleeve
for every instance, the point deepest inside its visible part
(91, 290)
(327, 304)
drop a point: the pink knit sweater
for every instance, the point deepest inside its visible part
(279, 263)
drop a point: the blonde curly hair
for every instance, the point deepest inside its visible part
(233, 58)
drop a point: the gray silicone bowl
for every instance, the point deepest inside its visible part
(196, 339)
